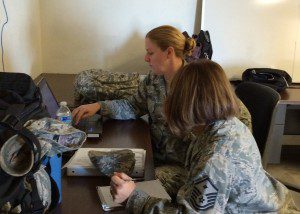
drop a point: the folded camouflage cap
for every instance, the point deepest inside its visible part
(16, 158)
(61, 136)
(113, 161)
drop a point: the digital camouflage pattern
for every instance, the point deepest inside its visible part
(245, 116)
(113, 161)
(225, 175)
(149, 99)
(43, 184)
(96, 84)
(172, 178)
(62, 137)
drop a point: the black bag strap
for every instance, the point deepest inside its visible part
(37, 206)
(12, 115)
(29, 139)
(37, 151)
(12, 122)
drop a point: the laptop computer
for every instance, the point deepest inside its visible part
(92, 126)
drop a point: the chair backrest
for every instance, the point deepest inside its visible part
(261, 101)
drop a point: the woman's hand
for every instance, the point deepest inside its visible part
(84, 111)
(121, 187)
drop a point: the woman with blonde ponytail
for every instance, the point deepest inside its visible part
(166, 48)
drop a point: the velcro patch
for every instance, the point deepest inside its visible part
(204, 194)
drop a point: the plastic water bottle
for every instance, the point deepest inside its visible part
(63, 113)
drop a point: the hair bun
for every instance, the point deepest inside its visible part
(190, 44)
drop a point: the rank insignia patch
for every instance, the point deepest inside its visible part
(204, 194)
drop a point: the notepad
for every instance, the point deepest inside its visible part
(81, 165)
(153, 188)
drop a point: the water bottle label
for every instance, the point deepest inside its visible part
(65, 119)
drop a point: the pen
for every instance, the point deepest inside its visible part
(131, 179)
(137, 179)
(120, 176)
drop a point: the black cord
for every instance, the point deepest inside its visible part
(2, 49)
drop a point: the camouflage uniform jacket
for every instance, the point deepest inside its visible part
(149, 99)
(225, 175)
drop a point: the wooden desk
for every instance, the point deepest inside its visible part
(290, 99)
(290, 96)
(79, 193)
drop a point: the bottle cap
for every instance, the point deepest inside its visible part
(63, 103)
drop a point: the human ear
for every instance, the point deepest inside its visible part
(170, 52)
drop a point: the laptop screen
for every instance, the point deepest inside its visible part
(92, 126)
(48, 98)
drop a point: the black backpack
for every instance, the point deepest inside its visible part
(203, 47)
(19, 89)
(274, 78)
(20, 100)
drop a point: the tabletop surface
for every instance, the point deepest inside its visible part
(290, 96)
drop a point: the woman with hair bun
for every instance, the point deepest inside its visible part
(166, 48)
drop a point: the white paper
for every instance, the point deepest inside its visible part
(153, 188)
(81, 165)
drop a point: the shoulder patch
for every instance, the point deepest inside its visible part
(203, 195)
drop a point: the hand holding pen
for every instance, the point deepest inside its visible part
(121, 186)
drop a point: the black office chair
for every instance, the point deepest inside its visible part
(261, 101)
